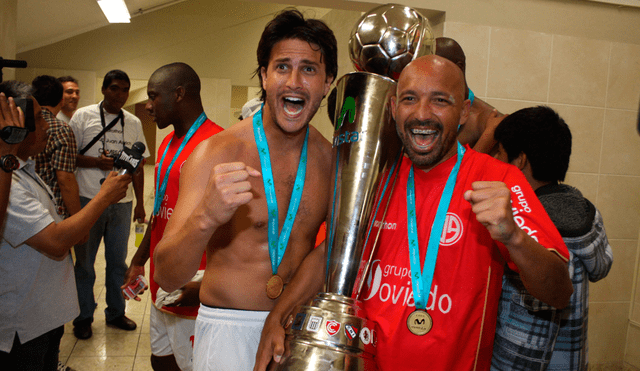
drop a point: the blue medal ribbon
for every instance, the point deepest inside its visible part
(278, 243)
(162, 189)
(421, 280)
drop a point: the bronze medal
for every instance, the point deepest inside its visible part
(274, 286)
(419, 322)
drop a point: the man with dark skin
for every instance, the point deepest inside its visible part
(429, 108)
(102, 131)
(483, 118)
(224, 207)
(174, 99)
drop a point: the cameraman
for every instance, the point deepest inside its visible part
(9, 116)
(37, 293)
(102, 131)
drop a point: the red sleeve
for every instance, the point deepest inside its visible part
(530, 216)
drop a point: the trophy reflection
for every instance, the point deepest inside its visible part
(332, 332)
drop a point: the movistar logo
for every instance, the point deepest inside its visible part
(349, 107)
(346, 137)
(348, 112)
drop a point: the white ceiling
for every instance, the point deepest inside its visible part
(44, 22)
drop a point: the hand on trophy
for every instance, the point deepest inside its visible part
(228, 189)
(271, 343)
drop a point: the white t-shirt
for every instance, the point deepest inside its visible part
(86, 124)
(63, 117)
(37, 294)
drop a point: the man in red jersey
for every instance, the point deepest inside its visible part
(492, 218)
(174, 99)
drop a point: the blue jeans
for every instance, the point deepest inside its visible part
(114, 224)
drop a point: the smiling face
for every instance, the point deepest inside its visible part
(115, 95)
(428, 108)
(70, 96)
(295, 82)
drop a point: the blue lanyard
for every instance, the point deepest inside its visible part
(278, 244)
(421, 280)
(162, 189)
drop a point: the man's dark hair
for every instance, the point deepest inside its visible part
(543, 136)
(331, 105)
(64, 79)
(47, 90)
(115, 75)
(16, 89)
(290, 24)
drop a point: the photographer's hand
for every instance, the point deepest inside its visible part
(10, 115)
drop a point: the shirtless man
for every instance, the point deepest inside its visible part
(223, 207)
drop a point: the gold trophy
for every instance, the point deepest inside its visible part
(332, 332)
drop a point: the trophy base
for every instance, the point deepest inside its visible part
(329, 334)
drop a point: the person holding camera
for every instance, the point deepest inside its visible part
(37, 291)
(102, 131)
(11, 121)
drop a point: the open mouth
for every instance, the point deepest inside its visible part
(293, 106)
(424, 138)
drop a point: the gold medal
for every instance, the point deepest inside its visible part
(419, 322)
(274, 286)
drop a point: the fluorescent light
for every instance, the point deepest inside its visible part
(115, 10)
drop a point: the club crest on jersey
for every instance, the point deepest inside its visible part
(332, 327)
(350, 331)
(452, 230)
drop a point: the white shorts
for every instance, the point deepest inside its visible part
(172, 335)
(227, 339)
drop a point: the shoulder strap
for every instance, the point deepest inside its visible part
(101, 133)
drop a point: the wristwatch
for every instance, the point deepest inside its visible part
(9, 163)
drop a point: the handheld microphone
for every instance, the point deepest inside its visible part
(129, 159)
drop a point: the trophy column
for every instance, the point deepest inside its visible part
(332, 332)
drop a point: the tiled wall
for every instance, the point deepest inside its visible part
(595, 86)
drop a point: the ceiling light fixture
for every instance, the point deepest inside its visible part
(115, 10)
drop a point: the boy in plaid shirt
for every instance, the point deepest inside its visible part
(531, 335)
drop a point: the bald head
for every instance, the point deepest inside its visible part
(174, 96)
(438, 68)
(450, 49)
(174, 75)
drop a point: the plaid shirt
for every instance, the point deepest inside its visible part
(59, 154)
(530, 335)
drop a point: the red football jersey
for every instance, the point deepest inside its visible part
(463, 301)
(206, 130)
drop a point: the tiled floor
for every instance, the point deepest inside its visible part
(111, 348)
